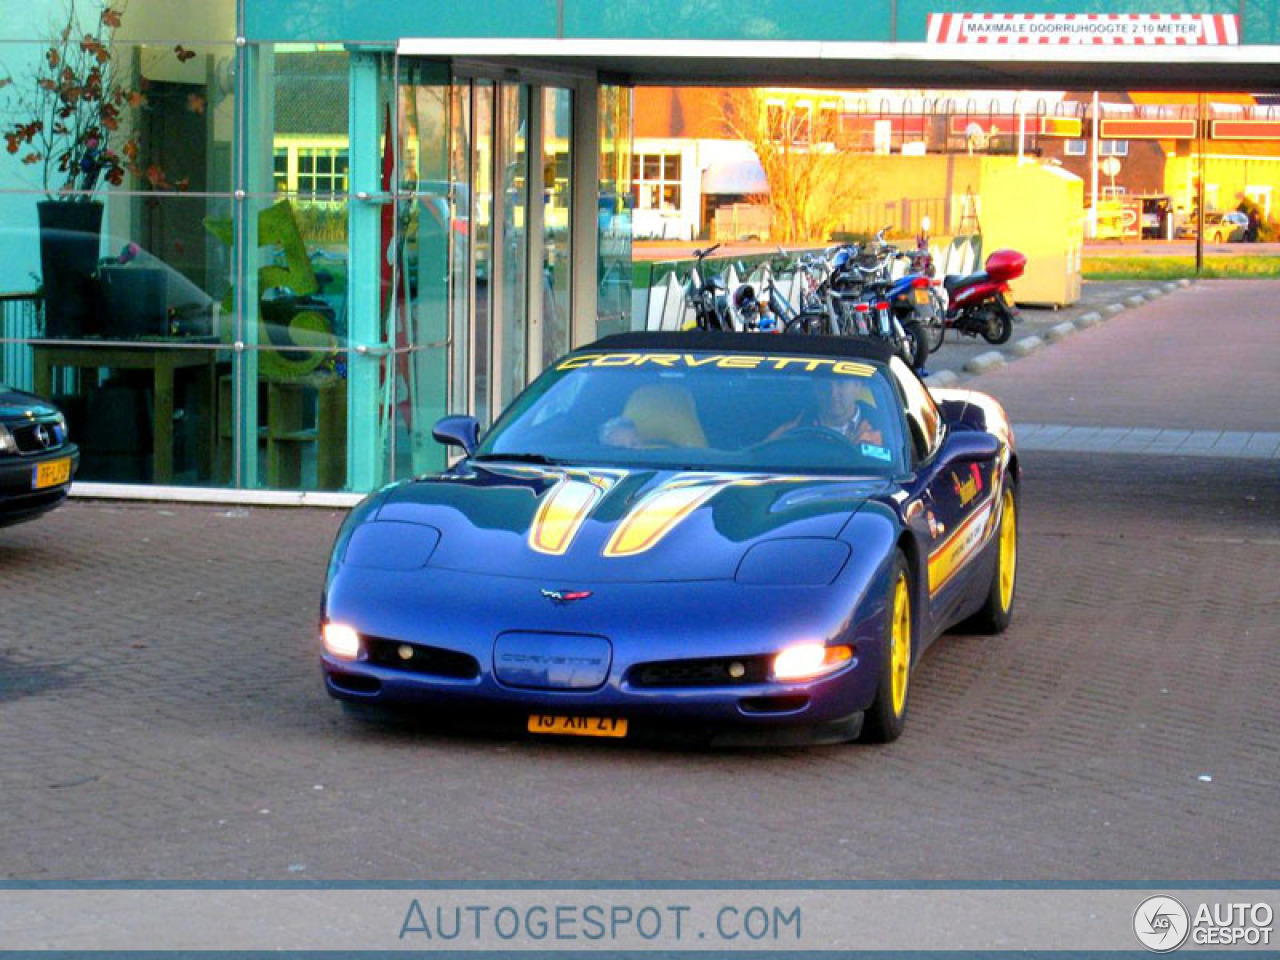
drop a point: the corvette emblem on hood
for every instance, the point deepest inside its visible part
(565, 596)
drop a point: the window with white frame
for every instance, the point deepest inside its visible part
(310, 169)
(655, 178)
(322, 170)
(1106, 148)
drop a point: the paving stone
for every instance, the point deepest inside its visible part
(1060, 330)
(1136, 300)
(1090, 319)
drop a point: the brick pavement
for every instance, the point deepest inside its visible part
(162, 717)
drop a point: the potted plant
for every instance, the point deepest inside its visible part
(74, 110)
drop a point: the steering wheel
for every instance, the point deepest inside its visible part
(808, 434)
(815, 432)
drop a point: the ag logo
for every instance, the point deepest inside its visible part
(1161, 924)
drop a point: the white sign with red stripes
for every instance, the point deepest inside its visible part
(1170, 29)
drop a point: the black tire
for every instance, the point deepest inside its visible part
(917, 344)
(997, 609)
(999, 326)
(887, 715)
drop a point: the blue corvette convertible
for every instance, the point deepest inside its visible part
(744, 537)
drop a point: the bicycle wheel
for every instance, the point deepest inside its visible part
(806, 323)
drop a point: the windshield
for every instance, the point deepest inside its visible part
(690, 411)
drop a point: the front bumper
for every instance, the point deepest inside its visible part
(19, 500)
(825, 709)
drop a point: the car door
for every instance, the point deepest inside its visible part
(948, 506)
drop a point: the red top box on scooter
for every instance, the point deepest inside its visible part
(1005, 265)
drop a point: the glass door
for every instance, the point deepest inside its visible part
(552, 327)
(488, 164)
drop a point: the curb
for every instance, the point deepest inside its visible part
(942, 378)
(983, 362)
(1060, 330)
(1026, 345)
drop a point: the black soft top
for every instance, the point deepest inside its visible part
(707, 341)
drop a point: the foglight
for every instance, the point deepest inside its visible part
(341, 641)
(805, 661)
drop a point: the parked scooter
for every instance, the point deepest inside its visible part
(979, 304)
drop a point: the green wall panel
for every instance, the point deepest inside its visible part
(1261, 22)
(382, 21)
(730, 19)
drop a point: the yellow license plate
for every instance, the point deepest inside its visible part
(922, 296)
(578, 726)
(51, 474)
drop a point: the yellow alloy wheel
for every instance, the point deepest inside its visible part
(900, 655)
(1008, 551)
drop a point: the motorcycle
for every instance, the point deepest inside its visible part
(979, 304)
(708, 296)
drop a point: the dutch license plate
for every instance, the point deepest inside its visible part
(51, 474)
(578, 726)
(922, 296)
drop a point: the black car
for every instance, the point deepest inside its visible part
(37, 462)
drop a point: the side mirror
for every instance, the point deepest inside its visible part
(966, 446)
(457, 431)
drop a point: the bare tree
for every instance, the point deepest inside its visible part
(812, 182)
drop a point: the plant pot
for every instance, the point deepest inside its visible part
(70, 238)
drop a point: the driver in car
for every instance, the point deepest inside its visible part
(841, 408)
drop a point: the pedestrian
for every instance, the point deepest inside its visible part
(1255, 222)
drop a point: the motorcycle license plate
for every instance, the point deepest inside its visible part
(922, 296)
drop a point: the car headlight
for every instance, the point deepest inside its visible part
(793, 562)
(7, 444)
(808, 661)
(341, 641)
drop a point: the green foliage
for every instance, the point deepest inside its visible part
(1172, 268)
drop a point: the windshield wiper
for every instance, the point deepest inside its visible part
(518, 458)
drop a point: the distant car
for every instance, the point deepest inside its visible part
(37, 461)
(1219, 226)
(665, 533)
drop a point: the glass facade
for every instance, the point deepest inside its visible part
(282, 250)
(309, 252)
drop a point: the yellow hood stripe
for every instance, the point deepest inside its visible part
(656, 515)
(565, 509)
